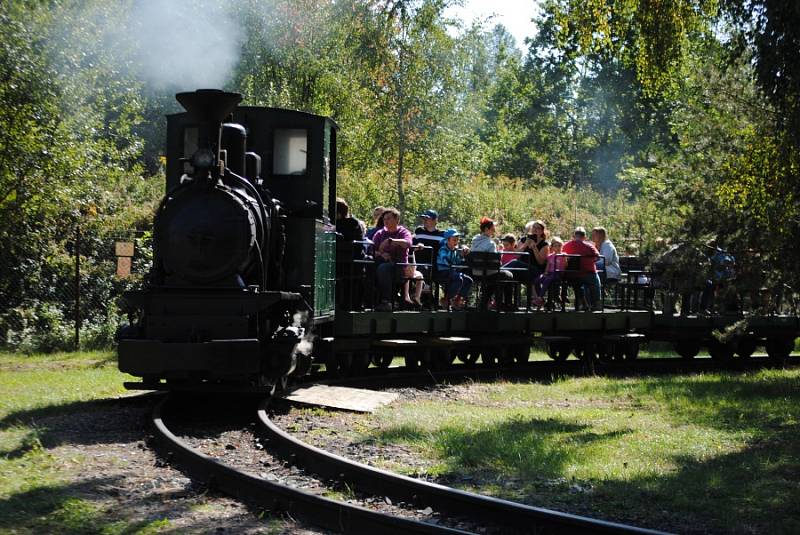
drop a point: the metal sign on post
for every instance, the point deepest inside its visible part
(124, 253)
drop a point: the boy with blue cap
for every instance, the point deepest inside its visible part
(457, 284)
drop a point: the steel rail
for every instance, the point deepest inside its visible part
(317, 510)
(439, 497)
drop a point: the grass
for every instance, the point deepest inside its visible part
(40, 493)
(713, 451)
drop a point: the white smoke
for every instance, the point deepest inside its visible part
(185, 44)
(306, 344)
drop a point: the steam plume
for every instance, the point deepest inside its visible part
(186, 44)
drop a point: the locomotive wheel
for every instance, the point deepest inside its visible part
(283, 383)
(303, 366)
(779, 349)
(382, 361)
(268, 383)
(688, 349)
(559, 351)
(745, 347)
(467, 356)
(722, 351)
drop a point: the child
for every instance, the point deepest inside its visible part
(410, 273)
(509, 244)
(457, 284)
(555, 266)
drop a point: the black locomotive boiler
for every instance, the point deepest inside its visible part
(243, 247)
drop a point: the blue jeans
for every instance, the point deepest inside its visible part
(592, 280)
(456, 283)
(387, 274)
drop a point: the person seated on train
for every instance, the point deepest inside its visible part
(553, 271)
(508, 243)
(377, 219)
(484, 243)
(535, 243)
(723, 270)
(349, 291)
(609, 254)
(391, 245)
(348, 228)
(427, 233)
(411, 273)
(587, 272)
(456, 283)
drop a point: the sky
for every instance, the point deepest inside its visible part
(515, 15)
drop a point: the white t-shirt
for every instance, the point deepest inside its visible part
(609, 252)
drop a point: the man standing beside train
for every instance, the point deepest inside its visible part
(391, 247)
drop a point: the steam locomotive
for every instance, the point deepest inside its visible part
(242, 293)
(243, 263)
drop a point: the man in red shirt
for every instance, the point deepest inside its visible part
(587, 275)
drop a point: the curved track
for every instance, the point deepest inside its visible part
(347, 518)
(441, 498)
(317, 510)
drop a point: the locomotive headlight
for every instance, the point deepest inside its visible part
(203, 159)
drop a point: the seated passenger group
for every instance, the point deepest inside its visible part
(533, 259)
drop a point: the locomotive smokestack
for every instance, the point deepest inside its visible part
(209, 107)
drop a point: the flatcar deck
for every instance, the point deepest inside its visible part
(444, 323)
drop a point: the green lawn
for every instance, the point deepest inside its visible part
(715, 452)
(38, 491)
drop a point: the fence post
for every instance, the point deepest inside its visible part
(77, 286)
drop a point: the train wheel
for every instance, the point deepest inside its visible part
(338, 365)
(489, 358)
(303, 366)
(587, 350)
(359, 363)
(268, 384)
(688, 349)
(779, 349)
(505, 356)
(522, 353)
(606, 351)
(745, 347)
(630, 349)
(382, 360)
(412, 361)
(467, 356)
(722, 351)
(559, 351)
(441, 359)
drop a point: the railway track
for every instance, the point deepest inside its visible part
(495, 511)
(348, 518)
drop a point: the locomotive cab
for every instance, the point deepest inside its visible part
(243, 248)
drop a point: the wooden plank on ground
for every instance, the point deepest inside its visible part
(340, 397)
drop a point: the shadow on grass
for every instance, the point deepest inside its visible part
(759, 403)
(521, 447)
(75, 509)
(753, 490)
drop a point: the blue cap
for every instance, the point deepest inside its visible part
(432, 214)
(449, 233)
